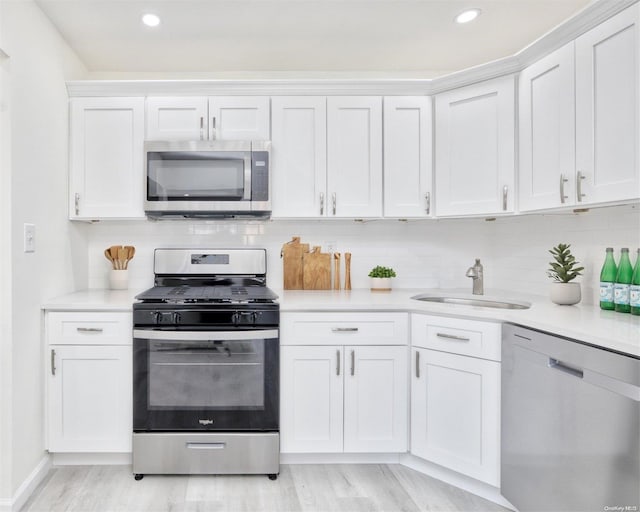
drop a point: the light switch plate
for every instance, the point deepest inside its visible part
(29, 238)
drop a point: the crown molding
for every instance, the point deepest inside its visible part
(589, 17)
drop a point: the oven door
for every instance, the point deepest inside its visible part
(205, 380)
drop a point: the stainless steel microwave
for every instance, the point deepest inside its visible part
(207, 179)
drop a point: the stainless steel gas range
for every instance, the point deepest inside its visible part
(206, 366)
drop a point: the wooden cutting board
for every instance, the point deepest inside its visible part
(317, 270)
(292, 261)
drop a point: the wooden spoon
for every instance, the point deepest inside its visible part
(114, 255)
(107, 255)
(122, 258)
(131, 251)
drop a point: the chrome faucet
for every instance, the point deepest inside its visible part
(476, 274)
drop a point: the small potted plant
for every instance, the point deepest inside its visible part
(381, 278)
(564, 270)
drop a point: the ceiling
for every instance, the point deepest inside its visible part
(388, 37)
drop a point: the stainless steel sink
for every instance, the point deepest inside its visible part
(464, 301)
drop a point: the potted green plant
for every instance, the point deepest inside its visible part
(563, 270)
(381, 278)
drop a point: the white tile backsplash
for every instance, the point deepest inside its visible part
(425, 253)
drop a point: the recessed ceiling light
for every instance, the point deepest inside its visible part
(151, 20)
(467, 16)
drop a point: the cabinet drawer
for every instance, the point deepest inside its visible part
(457, 336)
(89, 328)
(344, 328)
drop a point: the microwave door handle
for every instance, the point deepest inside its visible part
(247, 177)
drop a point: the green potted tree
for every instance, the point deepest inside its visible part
(381, 278)
(563, 270)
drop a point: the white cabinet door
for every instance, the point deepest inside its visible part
(106, 159)
(608, 110)
(89, 398)
(407, 156)
(175, 118)
(354, 156)
(311, 414)
(239, 118)
(375, 399)
(474, 152)
(299, 156)
(455, 413)
(547, 132)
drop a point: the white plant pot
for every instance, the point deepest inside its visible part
(565, 294)
(381, 284)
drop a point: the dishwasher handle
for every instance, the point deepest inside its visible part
(556, 364)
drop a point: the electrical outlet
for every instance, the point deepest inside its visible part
(29, 238)
(331, 246)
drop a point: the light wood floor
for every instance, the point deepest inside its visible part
(313, 488)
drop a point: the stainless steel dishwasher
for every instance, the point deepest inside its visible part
(570, 425)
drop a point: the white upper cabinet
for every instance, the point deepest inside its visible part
(299, 156)
(216, 117)
(354, 156)
(608, 110)
(239, 118)
(177, 118)
(474, 151)
(547, 132)
(407, 156)
(106, 154)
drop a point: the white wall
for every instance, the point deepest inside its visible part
(425, 254)
(40, 62)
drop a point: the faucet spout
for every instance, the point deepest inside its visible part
(477, 274)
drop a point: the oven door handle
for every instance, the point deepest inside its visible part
(150, 334)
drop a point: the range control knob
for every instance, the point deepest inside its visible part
(176, 318)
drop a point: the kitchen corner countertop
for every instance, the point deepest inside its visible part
(586, 323)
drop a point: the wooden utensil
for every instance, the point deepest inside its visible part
(292, 263)
(347, 271)
(122, 258)
(131, 251)
(107, 255)
(113, 250)
(317, 270)
(336, 270)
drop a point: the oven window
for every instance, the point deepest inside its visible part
(189, 178)
(206, 374)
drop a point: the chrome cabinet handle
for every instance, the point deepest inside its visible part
(321, 203)
(558, 365)
(451, 337)
(505, 193)
(427, 199)
(344, 329)
(77, 203)
(353, 363)
(201, 128)
(89, 329)
(579, 178)
(53, 362)
(213, 128)
(337, 362)
(417, 364)
(563, 180)
(334, 202)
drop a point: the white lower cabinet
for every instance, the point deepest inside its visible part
(455, 398)
(343, 398)
(89, 388)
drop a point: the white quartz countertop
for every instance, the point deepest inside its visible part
(585, 323)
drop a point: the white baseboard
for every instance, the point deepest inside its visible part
(484, 490)
(27, 487)
(91, 459)
(340, 458)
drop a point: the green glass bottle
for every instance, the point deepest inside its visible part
(623, 281)
(607, 280)
(634, 289)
